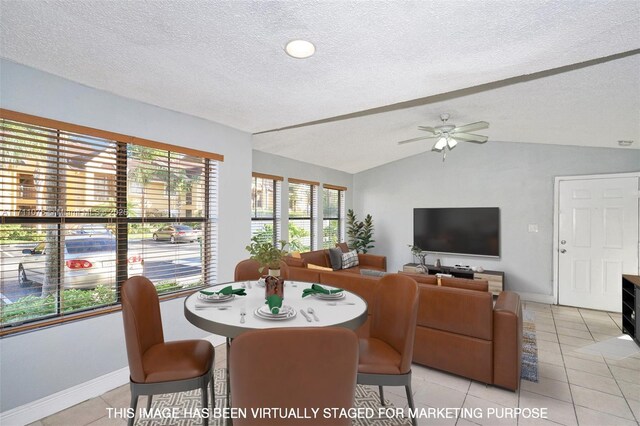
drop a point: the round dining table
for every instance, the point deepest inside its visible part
(234, 316)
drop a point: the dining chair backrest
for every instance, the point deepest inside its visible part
(394, 315)
(247, 269)
(294, 368)
(142, 322)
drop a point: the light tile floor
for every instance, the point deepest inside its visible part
(575, 387)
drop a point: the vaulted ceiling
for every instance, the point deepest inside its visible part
(555, 72)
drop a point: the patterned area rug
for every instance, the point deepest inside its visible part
(184, 408)
(529, 347)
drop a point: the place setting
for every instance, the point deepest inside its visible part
(215, 299)
(319, 292)
(274, 310)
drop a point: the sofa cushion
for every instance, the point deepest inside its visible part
(317, 257)
(454, 310)
(349, 260)
(296, 262)
(335, 257)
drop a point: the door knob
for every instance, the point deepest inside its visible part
(563, 242)
(563, 251)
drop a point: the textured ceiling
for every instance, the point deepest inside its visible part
(224, 61)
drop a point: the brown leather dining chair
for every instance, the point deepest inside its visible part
(249, 269)
(385, 356)
(156, 366)
(294, 368)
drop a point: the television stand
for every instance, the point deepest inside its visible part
(494, 278)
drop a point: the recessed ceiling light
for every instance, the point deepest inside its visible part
(300, 49)
(625, 143)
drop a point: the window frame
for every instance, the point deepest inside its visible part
(313, 214)
(341, 217)
(275, 218)
(121, 219)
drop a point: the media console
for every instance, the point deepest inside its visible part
(631, 306)
(494, 278)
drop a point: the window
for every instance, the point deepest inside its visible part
(302, 214)
(26, 186)
(265, 207)
(86, 232)
(332, 215)
(104, 186)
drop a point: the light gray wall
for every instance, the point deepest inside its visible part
(516, 177)
(288, 168)
(40, 363)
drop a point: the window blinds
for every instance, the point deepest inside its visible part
(265, 207)
(302, 215)
(80, 213)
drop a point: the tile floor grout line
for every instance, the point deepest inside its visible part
(575, 412)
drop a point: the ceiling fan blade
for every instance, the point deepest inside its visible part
(470, 137)
(471, 127)
(428, 129)
(416, 139)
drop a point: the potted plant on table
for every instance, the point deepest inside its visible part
(267, 255)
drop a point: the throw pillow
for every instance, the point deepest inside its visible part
(335, 256)
(296, 254)
(349, 260)
(318, 267)
(343, 246)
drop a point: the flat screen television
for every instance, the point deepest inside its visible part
(471, 231)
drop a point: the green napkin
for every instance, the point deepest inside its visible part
(275, 303)
(318, 289)
(225, 291)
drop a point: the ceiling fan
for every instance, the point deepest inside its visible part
(448, 135)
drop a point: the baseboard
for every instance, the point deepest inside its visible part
(64, 399)
(59, 401)
(538, 298)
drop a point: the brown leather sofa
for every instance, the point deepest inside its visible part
(321, 258)
(459, 329)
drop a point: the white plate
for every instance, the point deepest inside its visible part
(215, 298)
(284, 310)
(334, 296)
(290, 313)
(260, 282)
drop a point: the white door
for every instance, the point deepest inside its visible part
(597, 240)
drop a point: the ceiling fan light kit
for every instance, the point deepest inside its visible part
(449, 135)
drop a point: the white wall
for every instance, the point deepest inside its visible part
(287, 168)
(42, 362)
(516, 177)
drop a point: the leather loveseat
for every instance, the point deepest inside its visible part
(459, 329)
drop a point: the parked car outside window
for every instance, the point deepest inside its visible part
(176, 234)
(89, 260)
